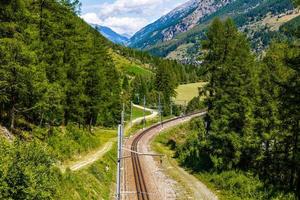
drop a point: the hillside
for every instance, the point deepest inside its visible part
(62, 86)
(166, 40)
(180, 20)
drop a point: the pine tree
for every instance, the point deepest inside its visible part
(16, 75)
(229, 65)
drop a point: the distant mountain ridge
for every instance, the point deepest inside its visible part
(181, 19)
(176, 35)
(112, 35)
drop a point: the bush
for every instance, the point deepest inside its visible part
(237, 185)
(71, 141)
(195, 105)
(27, 172)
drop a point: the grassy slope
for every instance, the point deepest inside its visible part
(70, 142)
(137, 112)
(130, 67)
(275, 22)
(187, 92)
(94, 182)
(228, 185)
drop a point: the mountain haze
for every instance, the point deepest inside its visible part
(112, 35)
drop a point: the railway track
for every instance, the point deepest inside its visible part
(140, 183)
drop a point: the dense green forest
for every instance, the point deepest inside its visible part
(252, 123)
(55, 69)
(166, 76)
(58, 81)
(58, 85)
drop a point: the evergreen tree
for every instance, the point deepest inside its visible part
(165, 82)
(229, 64)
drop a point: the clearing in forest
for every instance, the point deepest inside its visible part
(187, 92)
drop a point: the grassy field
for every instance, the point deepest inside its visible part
(137, 112)
(187, 92)
(129, 67)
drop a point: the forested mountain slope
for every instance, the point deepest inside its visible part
(56, 69)
(181, 19)
(62, 85)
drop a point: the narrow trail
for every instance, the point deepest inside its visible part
(188, 186)
(153, 114)
(98, 153)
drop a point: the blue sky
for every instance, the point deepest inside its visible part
(126, 16)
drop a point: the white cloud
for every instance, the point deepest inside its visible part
(92, 18)
(122, 25)
(130, 7)
(128, 16)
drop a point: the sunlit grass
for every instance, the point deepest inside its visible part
(187, 92)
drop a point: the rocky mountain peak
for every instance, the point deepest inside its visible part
(181, 19)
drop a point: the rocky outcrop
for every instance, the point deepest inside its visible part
(204, 8)
(6, 133)
(181, 19)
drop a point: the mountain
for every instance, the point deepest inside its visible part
(126, 35)
(177, 34)
(181, 19)
(112, 35)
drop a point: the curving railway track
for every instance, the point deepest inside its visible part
(142, 192)
(140, 184)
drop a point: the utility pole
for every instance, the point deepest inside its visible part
(144, 124)
(160, 110)
(123, 115)
(120, 141)
(131, 105)
(171, 107)
(185, 109)
(118, 192)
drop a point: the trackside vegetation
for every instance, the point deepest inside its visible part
(248, 143)
(63, 86)
(61, 95)
(183, 141)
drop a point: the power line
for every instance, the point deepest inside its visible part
(144, 121)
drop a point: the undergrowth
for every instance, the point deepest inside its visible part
(228, 185)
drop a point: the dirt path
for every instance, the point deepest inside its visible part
(187, 185)
(153, 114)
(96, 155)
(89, 158)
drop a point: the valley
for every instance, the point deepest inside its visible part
(116, 99)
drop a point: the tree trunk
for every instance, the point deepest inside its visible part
(41, 19)
(42, 118)
(12, 118)
(295, 163)
(298, 184)
(90, 124)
